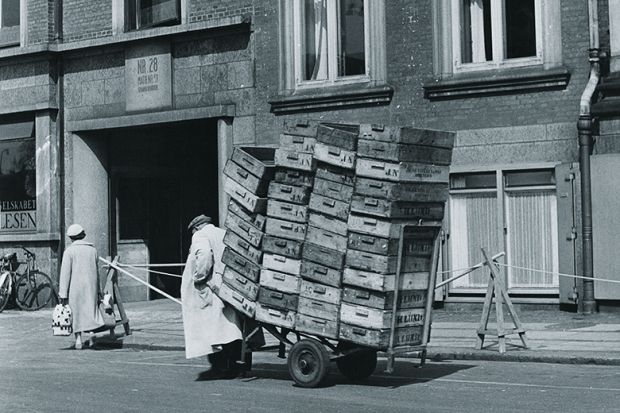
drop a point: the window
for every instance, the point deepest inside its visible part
(511, 211)
(144, 14)
(9, 22)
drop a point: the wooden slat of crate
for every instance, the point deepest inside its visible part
(323, 255)
(385, 264)
(402, 191)
(295, 160)
(242, 265)
(321, 274)
(281, 263)
(282, 246)
(289, 193)
(385, 208)
(318, 309)
(242, 247)
(294, 177)
(367, 317)
(240, 283)
(402, 171)
(244, 178)
(380, 338)
(317, 326)
(333, 190)
(335, 174)
(244, 229)
(256, 220)
(335, 136)
(383, 228)
(238, 301)
(258, 161)
(301, 127)
(335, 156)
(297, 143)
(372, 244)
(395, 152)
(245, 198)
(329, 239)
(277, 299)
(332, 224)
(384, 300)
(276, 317)
(320, 292)
(407, 135)
(385, 282)
(285, 229)
(328, 206)
(279, 281)
(287, 211)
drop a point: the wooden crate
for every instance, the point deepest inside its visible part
(236, 300)
(384, 300)
(297, 143)
(259, 161)
(248, 200)
(295, 160)
(279, 281)
(276, 317)
(412, 244)
(335, 174)
(277, 299)
(383, 227)
(244, 229)
(289, 193)
(327, 238)
(408, 135)
(285, 229)
(294, 177)
(333, 190)
(402, 171)
(397, 209)
(240, 283)
(244, 178)
(242, 265)
(402, 191)
(256, 220)
(386, 264)
(300, 127)
(385, 282)
(318, 309)
(373, 318)
(380, 339)
(242, 247)
(390, 151)
(287, 211)
(316, 326)
(332, 224)
(341, 136)
(281, 263)
(321, 274)
(282, 246)
(323, 255)
(328, 206)
(334, 155)
(320, 292)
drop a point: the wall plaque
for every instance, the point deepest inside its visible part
(148, 77)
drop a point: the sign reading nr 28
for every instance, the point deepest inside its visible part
(148, 77)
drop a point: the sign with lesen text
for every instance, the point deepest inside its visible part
(18, 192)
(148, 77)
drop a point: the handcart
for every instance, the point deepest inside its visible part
(309, 355)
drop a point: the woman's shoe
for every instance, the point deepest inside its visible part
(78, 342)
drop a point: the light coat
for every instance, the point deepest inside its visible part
(207, 321)
(79, 281)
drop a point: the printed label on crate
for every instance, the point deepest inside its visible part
(335, 156)
(295, 160)
(402, 171)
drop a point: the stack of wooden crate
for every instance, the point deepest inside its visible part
(401, 177)
(287, 217)
(247, 176)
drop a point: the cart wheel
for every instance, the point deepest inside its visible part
(308, 363)
(358, 365)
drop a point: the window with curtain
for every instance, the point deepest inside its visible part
(9, 22)
(144, 14)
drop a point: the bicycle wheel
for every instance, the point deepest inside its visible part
(33, 291)
(5, 289)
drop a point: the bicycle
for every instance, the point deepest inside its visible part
(32, 288)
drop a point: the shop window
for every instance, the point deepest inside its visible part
(9, 22)
(144, 14)
(515, 212)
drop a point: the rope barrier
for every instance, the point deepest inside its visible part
(469, 270)
(559, 273)
(151, 265)
(151, 271)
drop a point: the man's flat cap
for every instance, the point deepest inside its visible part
(199, 220)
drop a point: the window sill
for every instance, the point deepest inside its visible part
(497, 82)
(331, 97)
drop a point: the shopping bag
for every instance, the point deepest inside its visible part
(62, 320)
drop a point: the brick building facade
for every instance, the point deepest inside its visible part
(134, 106)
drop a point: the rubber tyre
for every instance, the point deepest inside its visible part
(5, 292)
(33, 292)
(356, 366)
(308, 363)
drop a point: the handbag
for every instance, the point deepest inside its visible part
(62, 320)
(107, 313)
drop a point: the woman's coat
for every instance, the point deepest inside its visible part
(207, 321)
(79, 281)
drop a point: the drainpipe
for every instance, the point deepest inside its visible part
(586, 143)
